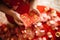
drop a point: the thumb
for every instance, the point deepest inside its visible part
(19, 22)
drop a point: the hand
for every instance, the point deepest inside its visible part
(12, 13)
(17, 18)
(36, 11)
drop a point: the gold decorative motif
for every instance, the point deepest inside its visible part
(57, 34)
(35, 17)
(46, 9)
(53, 13)
(49, 35)
(23, 16)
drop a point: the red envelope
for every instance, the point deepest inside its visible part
(26, 20)
(32, 17)
(29, 19)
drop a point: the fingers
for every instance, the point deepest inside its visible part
(19, 22)
(36, 11)
(17, 18)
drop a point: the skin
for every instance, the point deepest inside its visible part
(16, 15)
(11, 12)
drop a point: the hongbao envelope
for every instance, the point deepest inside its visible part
(29, 18)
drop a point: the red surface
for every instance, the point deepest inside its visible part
(29, 19)
(24, 10)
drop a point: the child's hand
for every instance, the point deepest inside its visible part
(12, 13)
(36, 11)
(17, 18)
